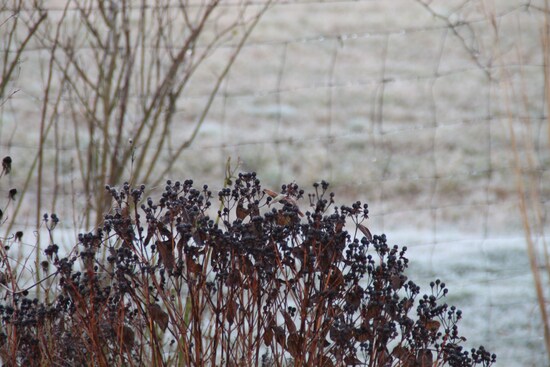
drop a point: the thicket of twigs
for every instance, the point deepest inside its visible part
(114, 74)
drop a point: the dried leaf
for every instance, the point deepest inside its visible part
(150, 233)
(365, 231)
(268, 337)
(234, 278)
(199, 236)
(336, 278)
(270, 193)
(408, 304)
(282, 219)
(159, 316)
(192, 266)
(403, 354)
(279, 335)
(424, 358)
(397, 281)
(231, 311)
(125, 213)
(290, 325)
(372, 311)
(432, 325)
(241, 211)
(166, 252)
(294, 344)
(363, 334)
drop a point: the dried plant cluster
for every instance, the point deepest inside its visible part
(263, 283)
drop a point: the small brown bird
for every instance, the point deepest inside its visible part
(283, 199)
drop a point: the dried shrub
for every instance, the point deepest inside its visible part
(264, 282)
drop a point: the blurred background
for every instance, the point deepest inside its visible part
(433, 112)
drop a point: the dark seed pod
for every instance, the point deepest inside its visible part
(19, 235)
(6, 164)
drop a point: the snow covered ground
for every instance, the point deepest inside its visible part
(490, 281)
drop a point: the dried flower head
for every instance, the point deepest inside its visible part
(6, 165)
